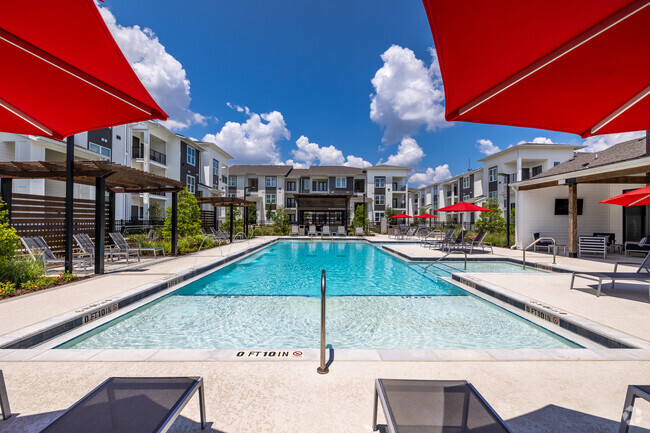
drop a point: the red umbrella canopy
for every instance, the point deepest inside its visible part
(463, 207)
(426, 215)
(638, 197)
(401, 215)
(576, 66)
(63, 73)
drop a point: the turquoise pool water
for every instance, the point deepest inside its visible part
(270, 299)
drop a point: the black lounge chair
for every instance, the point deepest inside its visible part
(434, 406)
(131, 404)
(633, 392)
(4, 400)
(639, 275)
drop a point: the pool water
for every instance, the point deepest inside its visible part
(270, 299)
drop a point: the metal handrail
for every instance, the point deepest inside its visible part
(322, 369)
(534, 243)
(448, 254)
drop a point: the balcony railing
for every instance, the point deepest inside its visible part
(399, 188)
(137, 152)
(158, 157)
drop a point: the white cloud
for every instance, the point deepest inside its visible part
(239, 108)
(486, 147)
(538, 140)
(307, 154)
(161, 74)
(408, 95)
(409, 153)
(254, 141)
(602, 142)
(431, 175)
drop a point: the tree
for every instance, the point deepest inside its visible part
(269, 213)
(155, 212)
(360, 218)
(252, 214)
(238, 221)
(9, 240)
(491, 221)
(281, 221)
(388, 213)
(422, 210)
(189, 216)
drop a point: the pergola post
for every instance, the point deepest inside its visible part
(5, 191)
(111, 212)
(174, 223)
(231, 222)
(573, 219)
(100, 223)
(69, 202)
(246, 220)
(216, 218)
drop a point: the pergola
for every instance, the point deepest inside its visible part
(105, 176)
(229, 202)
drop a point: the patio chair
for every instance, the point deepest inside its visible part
(219, 235)
(312, 231)
(326, 231)
(592, 245)
(358, 231)
(131, 404)
(39, 250)
(459, 242)
(440, 242)
(123, 245)
(639, 275)
(4, 400)
(294, 231)
(87, 246)
(637, 247)
(341, 231)
(633, 392)
(540, 244)
(434, 406)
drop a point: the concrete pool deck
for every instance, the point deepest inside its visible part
(538, 395)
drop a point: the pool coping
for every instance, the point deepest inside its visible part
(61, 324)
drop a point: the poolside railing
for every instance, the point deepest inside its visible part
(322, 369)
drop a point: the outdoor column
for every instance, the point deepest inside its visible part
(231, 222)
(573, 219)
(246, 221)
(174, 223)
(111, 212)
(216, 217)
(69, 202)
(100, 223)
(5, 192)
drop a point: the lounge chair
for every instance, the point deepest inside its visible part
(639, 275)
(87, 246)
(294, 231)
(131, 404)
(124, 246)
(326, 231)
(633, 392)
(459, 242)
(439, 242)
(479, 242)
(312, 231)
(341, 231)
(637, 247)
(219, 235)
(541, 244)
(4, 400)
(38, 249)
(358, 231)
(434, 406)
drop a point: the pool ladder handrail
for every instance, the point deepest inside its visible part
(534, 243)
(322, 369)
(446, 255)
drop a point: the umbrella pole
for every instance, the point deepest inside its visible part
(69, 201)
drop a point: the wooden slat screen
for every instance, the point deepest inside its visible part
(207, 219)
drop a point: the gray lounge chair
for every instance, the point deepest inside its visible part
(294, 230)
(434, 406)
(633, 392)
(341, 231)
(131, 404)
(87, 246)
(439, 242)
(219, 235)
(639, 275)
(326, 231)
(459, 242)
(4, 400)
(39, 250)
(312, 231)
(358, 231)
(122, 245)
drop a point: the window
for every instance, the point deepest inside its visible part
(380, 182)
(305, 184)
(191, 155)
(270, 198)
(341, 182)
(215, 173)
(190, 182)
(465, 197)
(291, 202)
(232, 181)
(466, 182)
(537, 170)
(380, 199)
(100, 149)
(320, 186)
(492, 174)
(492, 194)
(378, 217)
(271, 182)
(291, 185)
(556, 163)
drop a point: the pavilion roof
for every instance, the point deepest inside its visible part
(224, 201)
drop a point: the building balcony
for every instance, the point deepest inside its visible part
(399, 188)
(399, 205)
(158, 157)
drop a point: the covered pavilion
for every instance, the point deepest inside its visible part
(229, 202)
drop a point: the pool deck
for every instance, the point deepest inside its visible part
(533, 393)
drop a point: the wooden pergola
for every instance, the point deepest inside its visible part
(105, 176)
(231, 203)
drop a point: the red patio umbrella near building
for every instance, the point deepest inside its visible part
(579, 66)
(463, 207)
(426, 215)
(638, 197)
(401, 215)
(63, 73)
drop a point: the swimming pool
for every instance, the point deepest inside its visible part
(270, 299)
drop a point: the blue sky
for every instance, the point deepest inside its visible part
(292, 82)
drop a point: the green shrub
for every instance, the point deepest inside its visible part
(19, 270)
(360, 218)
(281, 221)
(9, 240)
(189, 216)
(491, 221)
(7, 289)
(185, 244)
(238, 221)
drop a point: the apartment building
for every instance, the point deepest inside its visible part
(321, 195)
(147, 146)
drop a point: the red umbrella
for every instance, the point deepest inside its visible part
(426, 215)
(401, 215)
(576, 66)
(463, 207)
(63, 73)
(638, 197)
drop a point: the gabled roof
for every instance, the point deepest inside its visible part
(533, 146)
(271, 170)
(624, 151)
(386, 166)
(330, 170)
